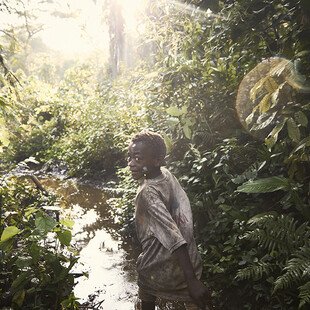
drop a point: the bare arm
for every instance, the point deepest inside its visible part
(197, 290)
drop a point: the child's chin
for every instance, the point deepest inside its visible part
(136, 175)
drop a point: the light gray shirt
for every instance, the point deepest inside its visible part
(163, 223)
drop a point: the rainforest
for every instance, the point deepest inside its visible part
(226, 83)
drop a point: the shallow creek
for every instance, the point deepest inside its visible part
(108, 260)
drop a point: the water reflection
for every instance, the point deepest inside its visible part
(111, 281)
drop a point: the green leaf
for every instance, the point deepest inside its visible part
(21, 281)
(293, 130)
(30, 211)
(64, 237)
(173, 121)
(44, 223)
(301, 145)
(175, 111)
(301, 118)
(6, 245)
(19, 297)
(187, 131)
(4, 137)
(273, 136)
(23, 261)
(9, 232)
(265, 185)
(34, 251)
(67, 222)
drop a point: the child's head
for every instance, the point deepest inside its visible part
(147, 152)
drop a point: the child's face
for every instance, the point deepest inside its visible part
(141, 160)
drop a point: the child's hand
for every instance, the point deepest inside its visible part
(197, 290)
(200, 294)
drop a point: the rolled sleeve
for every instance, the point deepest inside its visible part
(161, 223)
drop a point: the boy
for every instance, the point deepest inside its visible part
(169, 266)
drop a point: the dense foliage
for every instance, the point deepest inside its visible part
(36, 257)
(248, 179)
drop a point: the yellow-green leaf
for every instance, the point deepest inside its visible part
(30, 211)
(256, 89)
(187, 131)
(265, 104)
(9, 232)
(4, 137)
(271, 85)
(174, 111)
(67, 222)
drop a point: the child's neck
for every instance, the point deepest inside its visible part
(154, 173)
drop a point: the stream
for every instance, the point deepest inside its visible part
(108, 260)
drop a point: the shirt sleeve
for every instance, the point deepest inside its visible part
(160, 221)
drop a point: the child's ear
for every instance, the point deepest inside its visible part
(159, 161)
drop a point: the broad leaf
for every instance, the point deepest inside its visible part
(175, 111)
(19, 297)
(64, 237)
(9, 232)
(273, 136)
(265, 185)
(301, 118)
(265, 104)
(293, 130)
(44, 223)
(67, 222)
(30, 211)
(187, 131)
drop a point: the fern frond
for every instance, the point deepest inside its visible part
(296, 269)
(254, 272)
(277, 232)
(304, 294)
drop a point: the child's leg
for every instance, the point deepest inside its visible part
(148, 305)
(146, 302)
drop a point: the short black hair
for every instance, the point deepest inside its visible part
(154, 140)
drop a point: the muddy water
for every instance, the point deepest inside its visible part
(108, 261)
(111, 280)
